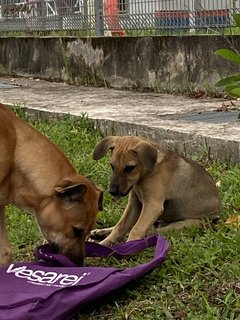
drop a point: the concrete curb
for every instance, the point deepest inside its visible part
(221, 149)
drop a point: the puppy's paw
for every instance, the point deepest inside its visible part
(99, 234)
(89, 239)
(107, 242)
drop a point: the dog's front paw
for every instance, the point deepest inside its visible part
(107, 242)
(99, 234)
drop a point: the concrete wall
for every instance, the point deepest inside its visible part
(171, 63)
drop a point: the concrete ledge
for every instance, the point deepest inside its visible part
(166, 63)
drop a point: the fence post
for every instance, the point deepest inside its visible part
(85, 14)
(43, 9)
(99, 24)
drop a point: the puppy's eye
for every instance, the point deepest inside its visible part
(129, 169)
(78, 232)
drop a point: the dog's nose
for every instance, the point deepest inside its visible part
(78, 260)
(54, 247)
(113, 190)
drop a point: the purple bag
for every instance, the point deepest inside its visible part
(54, 288)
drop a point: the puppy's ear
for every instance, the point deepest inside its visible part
(70, 191)
(146, 153)
(103, 146)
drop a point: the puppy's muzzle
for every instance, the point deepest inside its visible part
(116, 193)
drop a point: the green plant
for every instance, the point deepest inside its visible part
(231, 84)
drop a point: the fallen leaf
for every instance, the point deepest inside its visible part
(218, 184)
(234, 219)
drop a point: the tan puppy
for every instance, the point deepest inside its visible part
(160, 183)
(35, 175)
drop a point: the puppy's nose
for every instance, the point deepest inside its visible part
(113, 190)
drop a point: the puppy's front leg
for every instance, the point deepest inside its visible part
(127, 220)
(150, 212)
(5, 248)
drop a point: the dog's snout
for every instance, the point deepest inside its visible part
(113, 190)
(113, 193)
(76, 257)
(118, 192)
(78, 261)
(54, 247)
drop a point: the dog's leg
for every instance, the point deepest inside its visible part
(126, 222)
(150, 212)
(182, 224)
(5, 248)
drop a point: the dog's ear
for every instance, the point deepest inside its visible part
(100, 194)
(103, 146)
(100, 201)
(146, 153)
(71, 191)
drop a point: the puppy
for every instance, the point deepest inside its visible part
(160, 183)
(35, 175)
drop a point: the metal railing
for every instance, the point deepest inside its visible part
(116, 17)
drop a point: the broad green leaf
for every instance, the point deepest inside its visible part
(233, 90)
(234, 80)
(236, 17)
(228, 55)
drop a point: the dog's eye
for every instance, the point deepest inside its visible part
(78, 232)
(129, 169)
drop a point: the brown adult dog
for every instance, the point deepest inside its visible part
(36, 175)
(160, 183)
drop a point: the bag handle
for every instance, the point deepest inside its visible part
(45, 253)
(120, 250)
(93, 249)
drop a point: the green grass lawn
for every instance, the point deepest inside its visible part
(201, 276)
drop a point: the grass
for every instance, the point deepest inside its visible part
(200, 278)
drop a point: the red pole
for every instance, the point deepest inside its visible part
(112, 18)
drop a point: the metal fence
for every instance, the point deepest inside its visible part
(116, 17)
